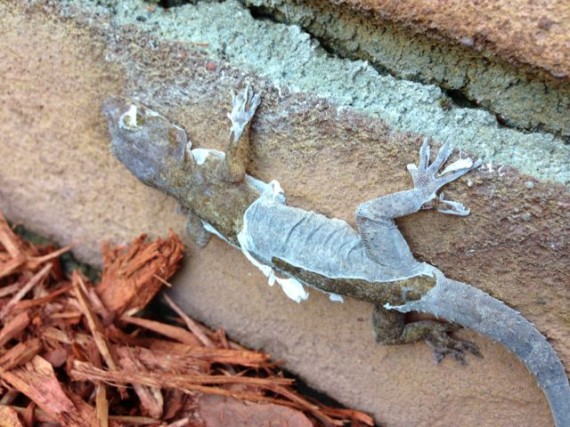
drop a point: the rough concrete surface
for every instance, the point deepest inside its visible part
(332, 131)
(467, 68)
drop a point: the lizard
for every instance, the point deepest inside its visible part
(295, 247)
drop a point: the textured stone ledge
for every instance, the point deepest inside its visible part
(521, 77)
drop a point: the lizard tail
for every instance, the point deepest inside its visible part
(474, 309)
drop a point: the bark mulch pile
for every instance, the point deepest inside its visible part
(77, 354)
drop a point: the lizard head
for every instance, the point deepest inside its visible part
(151, 147)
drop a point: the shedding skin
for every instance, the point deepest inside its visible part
(295, 247)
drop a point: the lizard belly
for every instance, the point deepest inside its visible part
(311, 241)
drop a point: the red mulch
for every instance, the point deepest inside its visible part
(77, 354)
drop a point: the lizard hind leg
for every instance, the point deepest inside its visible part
(244, 105)
(375, 218)
(390, 328)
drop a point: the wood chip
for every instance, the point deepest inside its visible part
(150, 397)
(20, 354)
(9, 417)
(102, 405)
(14, 327)
(37, 380)
(12, 243)
(174, 332)
(95, 327)
(130, 280)
(25, 289)
(192, 326)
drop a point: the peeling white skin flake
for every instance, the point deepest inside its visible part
(201, 154)
(277, 189)
(129, 119)
(257, 184)
(335, 297)
(215, 232)
(293, 289)
(152, 113)
(458, 164)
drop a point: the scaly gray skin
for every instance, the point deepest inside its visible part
(373, 264)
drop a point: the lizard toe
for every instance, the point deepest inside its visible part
(443, 345)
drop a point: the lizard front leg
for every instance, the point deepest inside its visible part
(375, 219)
(244, 104)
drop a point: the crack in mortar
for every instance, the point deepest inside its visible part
(520, 101)
(288, 57)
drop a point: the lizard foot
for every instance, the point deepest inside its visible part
(443, 345)
(244, 105)
(429, 180)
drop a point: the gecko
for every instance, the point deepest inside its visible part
(298, 248)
